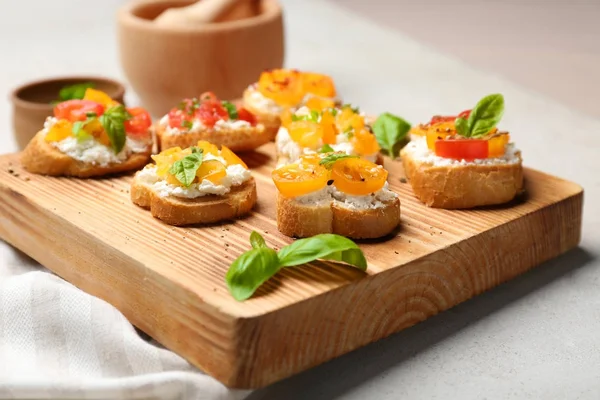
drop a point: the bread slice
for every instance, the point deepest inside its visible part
(201, 210)
(463, 186)
(40, 157)
(271, 122)
(304, 220)
(238, 140)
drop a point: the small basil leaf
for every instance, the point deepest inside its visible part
(390, 132)
(486, 115)
(185, 169)
(462, 127)
(324, 246)
(329, 160)
(257, 241)
(231, 110)
(326, 149)
(113, 122)
(250, 270)
(76, 91)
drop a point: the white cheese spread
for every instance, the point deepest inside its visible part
(331, 194)
(420, 152)
(236, 175)
(262, 103)
(91, 151)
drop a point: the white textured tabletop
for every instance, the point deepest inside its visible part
(534, 337)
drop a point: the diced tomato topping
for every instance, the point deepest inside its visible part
(208, 96)
(245, 115)
(210, 112)
(462, 149)
(77, 110)
(140, 122)
(185, 111)
(450, 118)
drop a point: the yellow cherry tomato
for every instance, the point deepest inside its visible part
(284, 86)
(311, 159)
(231, 158)
(212, 170)
(100, 97)
(346, 119)
(306, 133)
(357, 176)
(294, 180)
(318, 84)
(319, 103)
(286, 117)
(208, 148)
(364, 142)
(328, 129)
(497, 145)
(165, 159)
(59, 131)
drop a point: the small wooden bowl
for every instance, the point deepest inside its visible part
(32, 102)
(166, 64)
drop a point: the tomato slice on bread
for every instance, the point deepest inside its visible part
(139, 123)
(77, 110)
(462, 149)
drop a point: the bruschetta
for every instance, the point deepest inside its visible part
(198, 185)
(308, 131)
(208, 118)
(278, 90)
(335, 193)
(464, 161)
(90, 137)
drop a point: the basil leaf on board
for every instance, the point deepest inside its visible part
(76, 91)
(250, 270)
(185, 169)
(390, 131)
(325, 246)
(113, 121)
(256, 240)
(486, 115)
(231, 110)
(326, 149)
(329, 160)
(462, 126)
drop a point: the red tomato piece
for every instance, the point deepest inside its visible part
(465, 114)
(140, 122)
(185, 111)
(77, 110)
(462, 149)
(210, 112)
(246, 115)
(450, 118)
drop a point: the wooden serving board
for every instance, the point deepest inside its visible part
(169, 281)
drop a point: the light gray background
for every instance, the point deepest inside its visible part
(535, 337)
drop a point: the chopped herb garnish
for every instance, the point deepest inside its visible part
(326, 149)
(231, 110)
(187, 124)
(355, 110)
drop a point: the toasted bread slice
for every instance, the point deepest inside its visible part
(463, 186)
(201, 210)
(40, 157)
(271, 121)
(238, 140)
(304, 220)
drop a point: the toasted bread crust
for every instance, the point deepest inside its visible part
(463, 186)
(202, 210)
(238, 140)
(303, 220)
(40, 157)
(272, 122)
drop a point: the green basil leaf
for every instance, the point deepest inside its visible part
(329, 160)
(257, 241)
(76, 91)
(187, 124)
(113, 121)
(391, 132)
(185, 169)
(486, 115)
(326, 149)
(250, 270)
(462, 127)
(325, 247)
(231, 110)
(314, 115)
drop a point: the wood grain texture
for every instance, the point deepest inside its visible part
(170, 281)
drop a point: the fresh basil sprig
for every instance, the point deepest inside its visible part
(391, 132)
(329, 160)
(113, 121)
(231, 110)
(326, 149)
(75, 91)
(483, 117)
(185, 169)
(253, 268)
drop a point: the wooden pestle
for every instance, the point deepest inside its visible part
(205, 11)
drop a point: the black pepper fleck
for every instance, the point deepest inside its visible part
(330, 182)
(403, 180)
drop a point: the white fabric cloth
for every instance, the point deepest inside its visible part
(58, 342)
